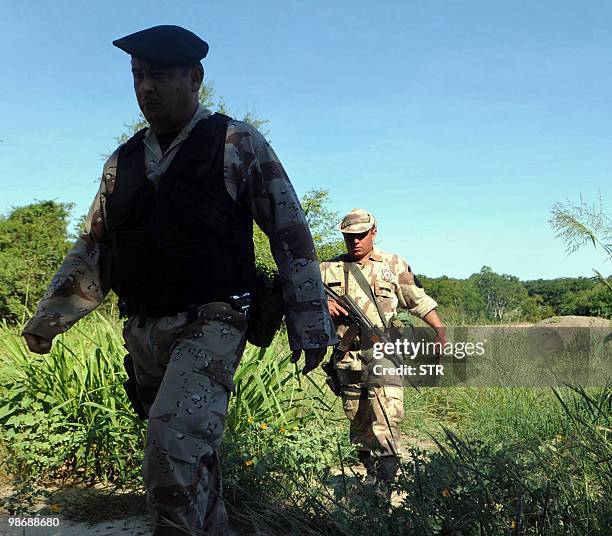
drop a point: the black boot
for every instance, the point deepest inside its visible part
(369, 462)
(386, 468)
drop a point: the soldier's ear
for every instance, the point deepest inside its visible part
(197, 76)
(374, 231)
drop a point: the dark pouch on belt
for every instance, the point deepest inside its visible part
(266, 312)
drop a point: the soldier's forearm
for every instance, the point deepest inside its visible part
(433, 320)
(75, 290)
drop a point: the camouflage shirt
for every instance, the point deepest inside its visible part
(253, 176)
(391, 279)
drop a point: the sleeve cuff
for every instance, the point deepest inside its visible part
(425, 306)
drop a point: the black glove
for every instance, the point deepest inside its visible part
(314, 356)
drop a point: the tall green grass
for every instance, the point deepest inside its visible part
(549, 486)
(270, 389)
(66, 413)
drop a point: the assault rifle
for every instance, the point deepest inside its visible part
(369, 334)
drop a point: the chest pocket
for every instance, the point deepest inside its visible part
(383, 290)
(336, 286)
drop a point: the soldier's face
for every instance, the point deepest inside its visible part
(359, 245)
(166, 95)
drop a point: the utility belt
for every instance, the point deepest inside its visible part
(263, 308)
(240, 303)
(264, 312)
(127, 310)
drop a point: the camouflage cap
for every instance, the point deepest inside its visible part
(357, 220)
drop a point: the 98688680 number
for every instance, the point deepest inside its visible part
(34, 521)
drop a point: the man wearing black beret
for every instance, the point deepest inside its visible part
(170, 231)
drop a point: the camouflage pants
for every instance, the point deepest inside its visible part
(374, 413)
(191, 364)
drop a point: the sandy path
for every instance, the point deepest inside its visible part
(75, 510)
(134, 526)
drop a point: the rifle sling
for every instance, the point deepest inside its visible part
(365, 286)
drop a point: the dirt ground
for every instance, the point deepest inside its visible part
(572, 321)
(135, 526)
(75, 510)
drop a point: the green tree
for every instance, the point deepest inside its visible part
(554, 292)
(33, 242)
(459, 295)
(596, 301)
(504, 295)
(322, 222)
(534, 308)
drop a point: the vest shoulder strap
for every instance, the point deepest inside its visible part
(222, 117)
(215, 123)
(134, 141)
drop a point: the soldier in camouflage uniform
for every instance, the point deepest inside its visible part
(170, 230)
(375, 412)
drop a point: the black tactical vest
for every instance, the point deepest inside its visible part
(184, 241)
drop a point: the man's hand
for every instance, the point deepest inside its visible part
(314, 356)
(37, 344)
(335, 309)
(440, 338)
(433, 320)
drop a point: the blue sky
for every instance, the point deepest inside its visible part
(458, 124)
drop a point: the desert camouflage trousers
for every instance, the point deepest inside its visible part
(191, 363)
(374, 413)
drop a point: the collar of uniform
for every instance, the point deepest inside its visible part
(150, 138)
(375, 255)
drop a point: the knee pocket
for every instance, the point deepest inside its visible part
(351, 398)
(393, 402)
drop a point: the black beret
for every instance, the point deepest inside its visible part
(164, 45)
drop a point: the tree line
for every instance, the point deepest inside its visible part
(487, 296)
(35, 238)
